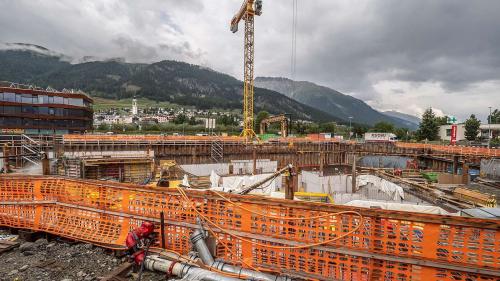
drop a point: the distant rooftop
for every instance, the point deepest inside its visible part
(7, 84)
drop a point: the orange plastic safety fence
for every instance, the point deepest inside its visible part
(388, 245)
(89, 138)
(453, 149)
(156, 138)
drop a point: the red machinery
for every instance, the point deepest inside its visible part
(139, 239)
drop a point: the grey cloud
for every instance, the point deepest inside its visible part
(454, 42)
(134, 50)
(347, 45)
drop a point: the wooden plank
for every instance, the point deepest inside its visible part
(118, 273)
(6, 245)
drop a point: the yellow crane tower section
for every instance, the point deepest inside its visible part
(248, 10)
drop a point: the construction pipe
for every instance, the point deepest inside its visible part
(179, 269)
(263, 181)
(198, 240)
(251, 274)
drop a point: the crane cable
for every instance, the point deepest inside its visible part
(293, 67)
(210, 222)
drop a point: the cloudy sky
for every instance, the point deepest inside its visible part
(399, 55)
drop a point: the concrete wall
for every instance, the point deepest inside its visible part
(240, 167)
(460, 132)
(340, 188)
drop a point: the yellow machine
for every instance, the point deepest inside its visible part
(282, 119)
(314, 197)
(248, 10)
(168, 175)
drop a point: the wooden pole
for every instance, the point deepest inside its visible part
(254, 154)
(321, 167)
(6, 154)
(465, 173)
(45, 165)
(455, 164)
(353, 181)
(290, 186)
(162, 229)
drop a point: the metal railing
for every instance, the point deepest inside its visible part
(217, 149)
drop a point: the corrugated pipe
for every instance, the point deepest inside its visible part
(198, 240)
(179, 269)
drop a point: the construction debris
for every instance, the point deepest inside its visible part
(60, 260)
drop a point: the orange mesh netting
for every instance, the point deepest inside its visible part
(388, 245)
(453, 149)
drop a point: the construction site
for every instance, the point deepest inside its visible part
(227, 208)
(288, 209)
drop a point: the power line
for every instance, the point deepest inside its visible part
(293, 66)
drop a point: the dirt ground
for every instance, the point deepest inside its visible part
(59, 260)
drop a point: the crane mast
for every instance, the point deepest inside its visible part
(248, 10)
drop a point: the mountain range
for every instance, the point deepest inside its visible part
(182, 83)
(406, 117)
(331, 101)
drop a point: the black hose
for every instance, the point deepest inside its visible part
(150, 241)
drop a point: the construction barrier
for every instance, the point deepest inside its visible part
(265, 233)
(152, 138)
(164, 138)
(453, 149)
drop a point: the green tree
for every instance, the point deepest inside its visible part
(495, 143)
(180, 119)
(494, 118)
(227, 120)
(329, 127)
(103, 127)
(428, 128)
(359, 131)
(402, 133)
(299, 128)
(383, 127)
(472, 127)
(442, 120)
(192, 121)
(312, 128)
(260, 116)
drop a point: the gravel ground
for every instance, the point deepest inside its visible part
(60, 261)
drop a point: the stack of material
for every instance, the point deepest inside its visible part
(476, 197)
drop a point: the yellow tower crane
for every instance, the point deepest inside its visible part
(248, 10)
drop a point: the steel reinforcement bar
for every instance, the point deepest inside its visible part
(388, 245)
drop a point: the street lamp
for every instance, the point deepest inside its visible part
(489, 128)
(350, 118)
